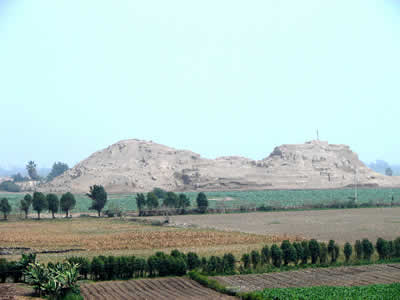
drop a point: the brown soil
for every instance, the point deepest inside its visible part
(341, 225)
(341, 276)
(164, 288)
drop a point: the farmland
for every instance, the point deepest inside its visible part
(277, 198)
(101, 236)
(370, 292)
(341, 225)
(164, 288)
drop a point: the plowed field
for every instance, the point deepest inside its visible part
(341, 276)
(164, 288)
(7, 291)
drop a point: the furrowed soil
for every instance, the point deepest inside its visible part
(149, 289)
(341, 276)
(341, 225)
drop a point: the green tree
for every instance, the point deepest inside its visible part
(140, 203)
(9, 186)
(160, 193)
(288, 252)
(358, 249)
(382, 247)
(171, 200)
(314, 250)
(202, 202)
(57, 169)
(5, 207)
(152, 201)
(324, 253)
(193, 261)
(265, 254)
(299, 251)
(25, 204)
(331, 246)
(67, 203)
(306, 252)
(246, 260)
(229, 261)
(32, 172)
(183, 202)
(255, 258)
(348, 250)
(367, 248)
(389, 172)
(276, 255)
(53, 203)
(39, 202)
(396, 247)
(99, 198)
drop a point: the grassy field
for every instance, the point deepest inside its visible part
(280, 198)
(112, 236)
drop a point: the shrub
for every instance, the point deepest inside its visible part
(276, 255)
(396, 246)
(324, 253)
(285, 245)
(229, 263)
(97, 268)
(336, 252)
(314, 250)
(193, 261)
(202, 202)
(9, 186)
(306, 252)
(358, 249)
(212, 265)
(348, 250)
(246, 261)
(331, 246)
(382, 247)
(367, 249)
(255, 258)
(55, 281)
(265, 255)
(299, 251)
(3, 270)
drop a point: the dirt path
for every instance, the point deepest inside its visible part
(162, 288)
(341, 276)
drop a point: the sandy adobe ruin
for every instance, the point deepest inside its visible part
(139, 166)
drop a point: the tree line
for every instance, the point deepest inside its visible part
(304, 253)
(41, 202)
(150, 202)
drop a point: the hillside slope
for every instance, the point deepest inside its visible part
(139, 166)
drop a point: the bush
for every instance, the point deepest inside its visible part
(9, 186)
(246, 261)
(396, 246)
(229, 261)
(276, 255)
(306, 252)
(56, 281)
(323, 254)
(299, 251)
(3, 270)
(367, 249)
(265, 255)
(193, 261)
(358, 249)
(314, 250)
(348, 250)
(382, 247)
(255, 258)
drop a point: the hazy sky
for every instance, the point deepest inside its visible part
(217, 77)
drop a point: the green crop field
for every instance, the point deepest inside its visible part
(277, 198)
(376, 291)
